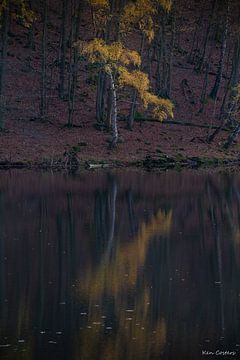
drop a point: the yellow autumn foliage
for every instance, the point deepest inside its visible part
(111, 55)
(166, 4)
(99, 3)
(19, 9)
(163, 108)
(139, 14)
(115, 58)
(137, 79)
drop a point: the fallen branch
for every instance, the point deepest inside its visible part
(185, 123)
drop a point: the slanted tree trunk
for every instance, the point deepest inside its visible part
(43, 99)
(218, 80)
(3, 59)
(114, 113)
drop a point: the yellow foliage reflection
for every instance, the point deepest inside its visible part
(116, 277)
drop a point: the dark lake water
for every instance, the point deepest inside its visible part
(122, 265)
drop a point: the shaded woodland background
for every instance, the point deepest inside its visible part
(52, 100)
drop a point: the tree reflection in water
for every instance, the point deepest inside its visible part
(119, 265)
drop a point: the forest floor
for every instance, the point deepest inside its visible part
(29, 141)
(36, 143)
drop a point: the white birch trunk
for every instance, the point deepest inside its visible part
(114, 113)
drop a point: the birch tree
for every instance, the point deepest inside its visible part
(114, 61)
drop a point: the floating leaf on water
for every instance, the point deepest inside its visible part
(5, 345)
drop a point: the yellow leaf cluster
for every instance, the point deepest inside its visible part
(139, 14)
(163, 108)
(19, 10)
(101, 12)
(166, 4)
(137, 79)
(112, 55)
(99, 3)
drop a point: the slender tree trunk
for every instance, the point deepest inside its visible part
(43, 100)
(30, 42)
(218, 80)
(63, 50)
(204, 88)
(109, 109)
(159, 61)
(134, 94)
(73, 65)
(163, 86)
(202, 60)
(100, 98)
(3, 62)
(191, 56)
(172, 45)
(232, 137)
(114, 113)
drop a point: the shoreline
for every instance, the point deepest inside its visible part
(148, 163)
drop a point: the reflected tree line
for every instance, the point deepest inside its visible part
(122, 275)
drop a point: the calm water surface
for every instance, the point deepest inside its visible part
(125, 265)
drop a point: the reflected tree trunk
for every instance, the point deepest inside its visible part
(112, 215)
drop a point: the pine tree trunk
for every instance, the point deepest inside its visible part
(3, 62)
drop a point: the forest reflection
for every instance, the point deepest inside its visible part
(119, 265)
